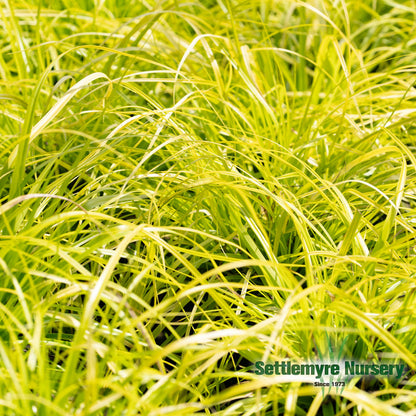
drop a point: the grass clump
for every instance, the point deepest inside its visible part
(189, 187)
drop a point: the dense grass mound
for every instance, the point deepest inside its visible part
(189, 187)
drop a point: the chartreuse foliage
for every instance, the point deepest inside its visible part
(189, 187)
